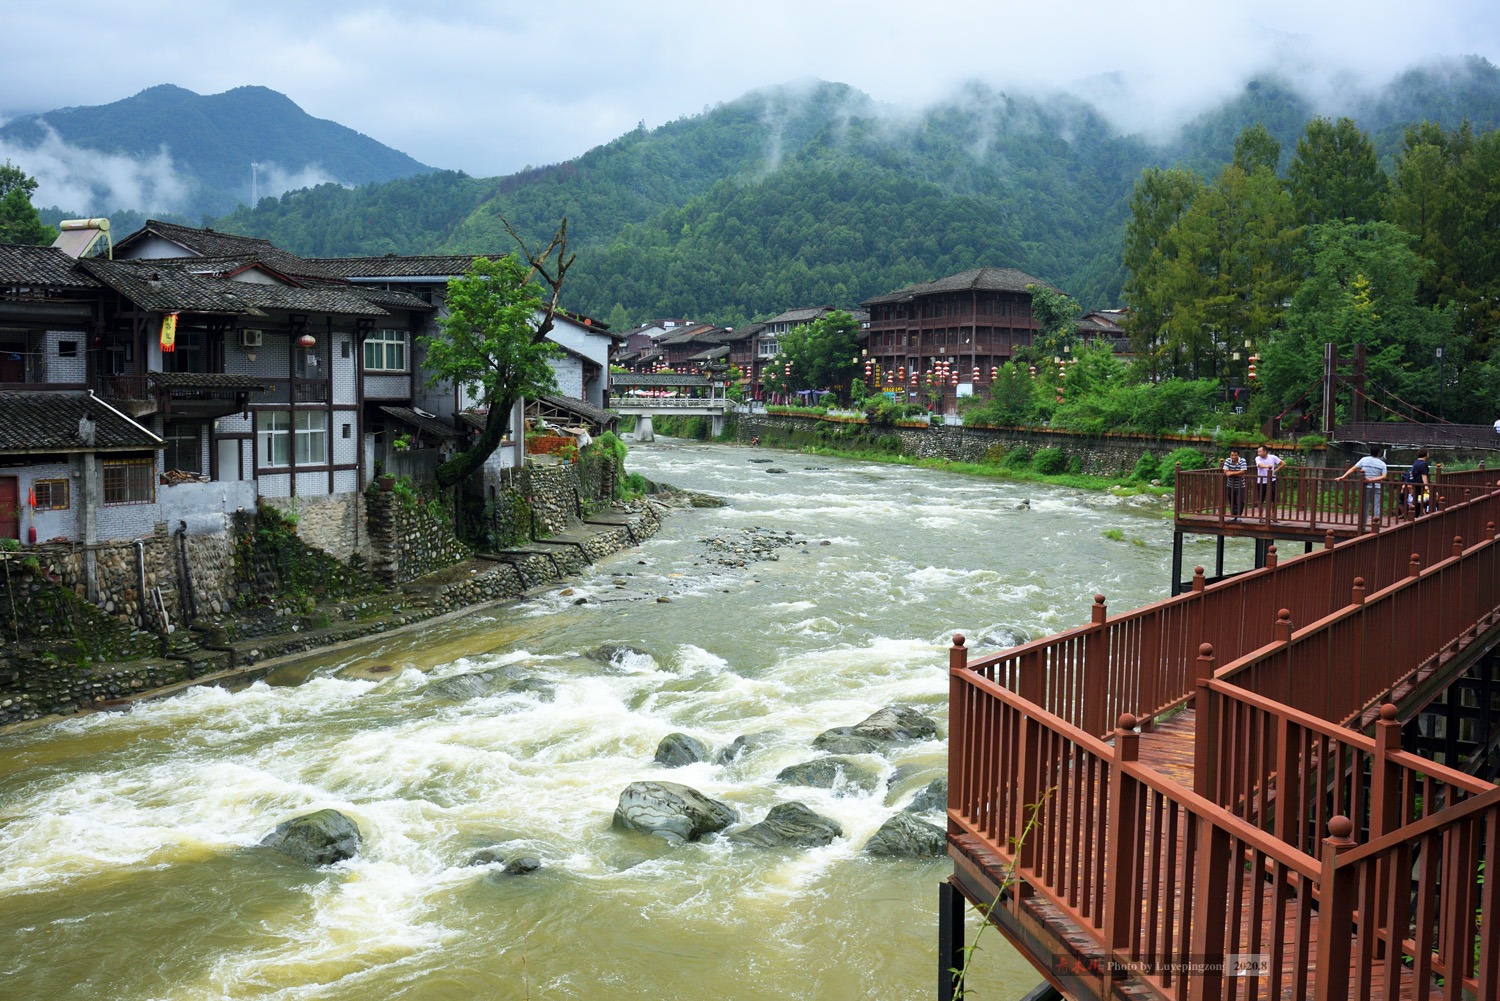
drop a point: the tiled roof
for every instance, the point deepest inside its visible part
(49, 422)
(711, 354)
(801, 315)
(153, 285)
(40, 266)
(211, 243)
(980, 279)
(582, 408)
(397, 266)
(704, 332)
(208, 380)
(391, 298)
(657, 379)
(738, 334)
(428, 425)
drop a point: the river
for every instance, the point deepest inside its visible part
(127, 860)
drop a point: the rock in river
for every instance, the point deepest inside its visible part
(320, 838)
(882, 728)
(678, 749)
(823, 773)
(790, 825)
(617, 655)
(671, 810)
(514, 865)
(467, 686)
(904, 836)
(932, 799)
(744, 744)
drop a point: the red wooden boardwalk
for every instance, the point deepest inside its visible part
(1245, 817)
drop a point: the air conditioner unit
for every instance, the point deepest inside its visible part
(250, 338)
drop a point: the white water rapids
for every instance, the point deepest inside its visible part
(127, 866)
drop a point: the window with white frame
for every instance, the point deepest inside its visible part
(273, 432)
(385, 351)
(312, 437)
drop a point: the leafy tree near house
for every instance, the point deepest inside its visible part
(494, 342)
(1160, 199)
(1335, 174)
(1056, 315)
(19, 221)
(823, 354)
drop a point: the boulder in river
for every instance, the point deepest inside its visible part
(513, 864)
(744, 744)
(774, 469)
(321, 838)
(823, 773)
(617, 654)
(882, 728)
(790, 825)
(544, 690)
(678, 749)
(932, 799)
(671, 810)
(470, 685)
(904, 836)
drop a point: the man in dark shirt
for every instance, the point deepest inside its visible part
(1421, 478)
(1234, 482)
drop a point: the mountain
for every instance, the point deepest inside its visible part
(815, 193)
(199, 149)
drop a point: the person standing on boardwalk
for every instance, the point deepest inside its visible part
(1234, 482)
(1266, 464)
(1420, 478)
(1375, 470)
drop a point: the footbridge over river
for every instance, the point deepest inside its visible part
(669, 393)
(1274, 785)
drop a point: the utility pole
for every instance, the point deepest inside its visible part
(1442, 382)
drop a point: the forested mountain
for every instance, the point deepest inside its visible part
(816, 194)
(211, 142)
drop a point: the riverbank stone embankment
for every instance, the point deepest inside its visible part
(45, 680)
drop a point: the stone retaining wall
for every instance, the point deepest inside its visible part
(1101, 455)
(407, 541)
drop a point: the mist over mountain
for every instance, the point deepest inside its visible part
(170, 150)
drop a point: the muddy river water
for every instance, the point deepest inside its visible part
(128, 866)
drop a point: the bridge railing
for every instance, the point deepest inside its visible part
(1143, 662)
(1430, 435)
(1309, 499)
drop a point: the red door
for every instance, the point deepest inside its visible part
(10, 507)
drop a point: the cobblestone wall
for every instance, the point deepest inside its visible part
(333, 523)
(407, 541)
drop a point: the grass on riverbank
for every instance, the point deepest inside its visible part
(1078, 481)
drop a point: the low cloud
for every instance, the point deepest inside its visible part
(83, 180)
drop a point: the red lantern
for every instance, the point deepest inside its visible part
(307, 341)
(994, 372)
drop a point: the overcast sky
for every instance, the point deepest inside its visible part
(490, 87)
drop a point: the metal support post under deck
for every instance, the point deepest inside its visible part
(950, 938)
(1219, 557)
(1176, 564)
(1262, 546)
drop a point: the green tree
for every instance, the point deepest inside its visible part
(1158, 203)
(1057, 319)
(1335, 174)
(823, 354)
(493, 343)
(1361, 288)
(19, 221)
(1231, 273)
(1256, 147)
(618, 319)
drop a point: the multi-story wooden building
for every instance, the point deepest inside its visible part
(972, 320)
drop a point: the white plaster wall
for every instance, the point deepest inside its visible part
(312, 484)
(569, 375)
(155, 246)
(396, 387)
(60, 369)
(346, 481)
(276, 484)
(345, 450)
(49, 524)
(345, 373)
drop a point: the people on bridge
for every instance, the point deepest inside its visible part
(1266, 464)
(1234, 482)
(1415, 495)
(1375, 470)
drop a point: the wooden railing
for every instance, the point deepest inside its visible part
(1143, 662)
(1429, 435)
(1310, 499)
(1257, 857)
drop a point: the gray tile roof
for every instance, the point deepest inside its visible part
(427, 425)
(656, 379)
(738, 334)
(391, 298)
(153, 285)
(49, 422)
(397, 266)
(980, 279)
(711, 354)
(208, 380)
(582, 408)
(211, 243)
(801, 315)
(40, 267)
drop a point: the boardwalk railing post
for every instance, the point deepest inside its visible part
(1122, 894)
(1458, 545)
(1271, 556)
(1414, 567)
(959, 739)
(1096, 694)
(1336, 914)
(1385, 804)
(1328, 539)
(1203, 725)
(1211, 904)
